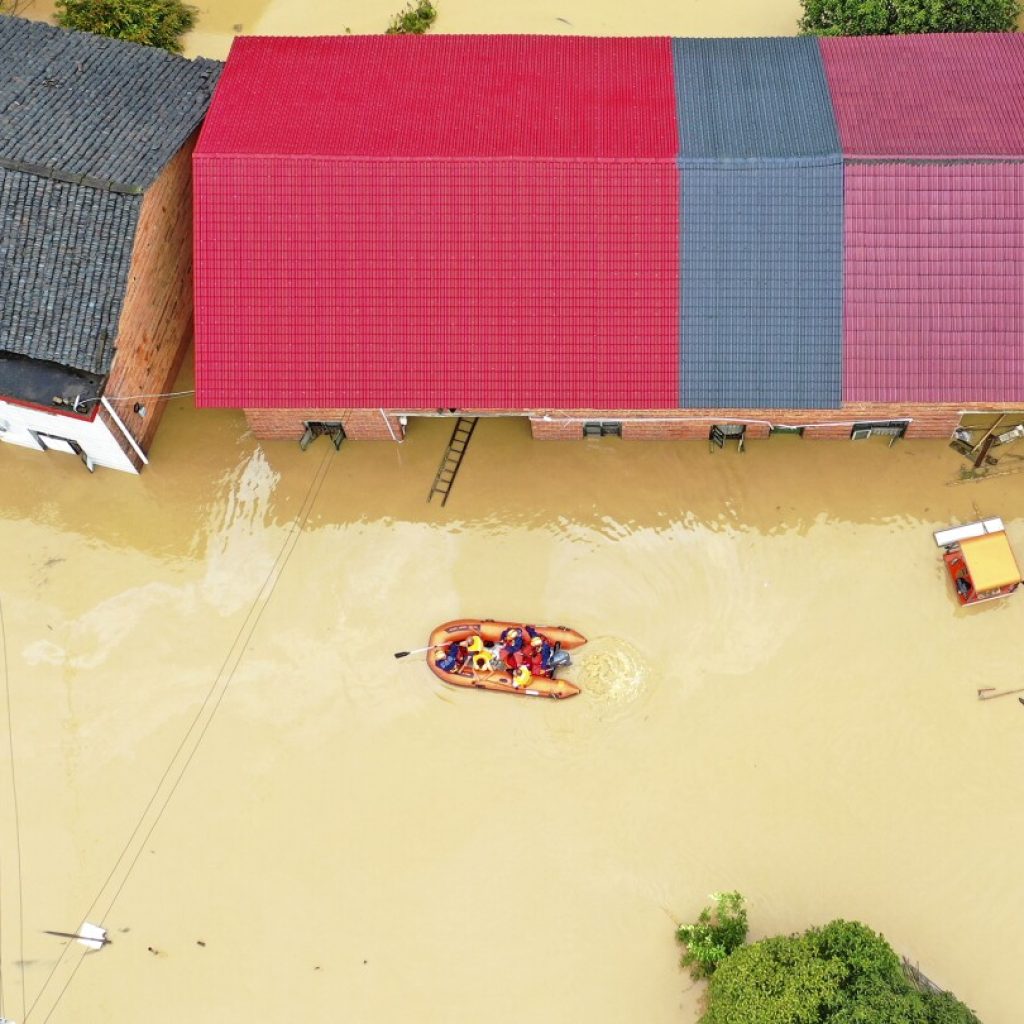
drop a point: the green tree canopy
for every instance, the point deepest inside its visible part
(159, 23)
(906, 17)
(843, 973)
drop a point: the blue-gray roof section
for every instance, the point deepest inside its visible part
(761, 284)
(749, 98)
(86, 124)
(65, 252)
(80, 107)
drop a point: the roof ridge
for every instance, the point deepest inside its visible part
(55, 174)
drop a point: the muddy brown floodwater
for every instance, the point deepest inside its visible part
(217, 757)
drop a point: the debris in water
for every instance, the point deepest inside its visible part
(89, 935)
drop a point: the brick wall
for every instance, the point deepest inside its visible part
(155, 328)
(927, 421)
(359, 424)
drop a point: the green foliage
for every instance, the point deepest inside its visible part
(906, 17)
(716, 934)
(159, 23)
(775, 981)
(414, 18)
(945, 1008)
(843, 973)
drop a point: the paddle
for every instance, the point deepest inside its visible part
(985, 693)
(419, 650)
(91, 935)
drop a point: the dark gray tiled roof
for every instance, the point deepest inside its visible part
(744, 98)
(79, 105)
(762, 285)
(65, 252)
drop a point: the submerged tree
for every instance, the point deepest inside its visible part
(159, 23)
(907, 17)
(413, 19)
(717, 932)
(843, 973)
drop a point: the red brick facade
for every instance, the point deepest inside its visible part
(156, 319)
(926, 421)
(359, 424)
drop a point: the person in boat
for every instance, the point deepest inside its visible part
(540, 655)
(512, 640)
(452, 658)
(522, 677)
(478, 653)
(511, 652)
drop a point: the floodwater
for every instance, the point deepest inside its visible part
(207, 747)
(221, 20)
(217, 757)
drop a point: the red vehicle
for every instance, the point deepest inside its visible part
(979, 561)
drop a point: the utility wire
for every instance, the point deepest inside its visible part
(17, 829)
(129, 398)
(182, 757)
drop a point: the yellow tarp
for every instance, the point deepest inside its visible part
(990, 562)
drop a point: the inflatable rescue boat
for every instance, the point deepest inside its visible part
(496, 674)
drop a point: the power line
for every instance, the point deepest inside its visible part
(79, 402)
(17, 828)
(182, 757)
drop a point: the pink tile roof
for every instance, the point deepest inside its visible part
(928, 95)
(421, 239)
(934, 283)
(445, 96)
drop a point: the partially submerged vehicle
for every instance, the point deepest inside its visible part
(979, 560)
(495, 674)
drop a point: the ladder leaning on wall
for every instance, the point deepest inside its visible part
(452, 459)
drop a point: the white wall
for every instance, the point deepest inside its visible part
(93, 436)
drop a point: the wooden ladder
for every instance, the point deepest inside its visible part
(453, 456)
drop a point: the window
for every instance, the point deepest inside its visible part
(722, 432)
(602, 428)
(326, 428)
(52, 443)
(893, 429)
(778, 429)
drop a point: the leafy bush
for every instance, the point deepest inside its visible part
(159, 23)
(945, 1008)
(843, 973)
(905, 17)
(775, 981)
(413, 19)
(716, 934)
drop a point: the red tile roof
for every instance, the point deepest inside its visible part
(934, 283)
(494, 222)
(445, 96)
(403, 253)
(927, 95)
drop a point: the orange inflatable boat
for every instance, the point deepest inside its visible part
(542, 684)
